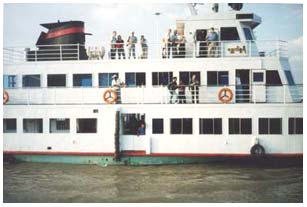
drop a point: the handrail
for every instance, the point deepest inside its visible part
(194, 49)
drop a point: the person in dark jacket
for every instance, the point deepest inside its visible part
(172, 86)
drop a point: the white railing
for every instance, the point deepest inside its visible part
(155, 95)
(197, 49)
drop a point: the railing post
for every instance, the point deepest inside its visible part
(61, 54)
(35, 55)
(250, 48)
(78, 51)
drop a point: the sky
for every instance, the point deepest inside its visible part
(22, 22)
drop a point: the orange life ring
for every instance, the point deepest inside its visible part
(6, 97)
(225, 95)
(110, 96)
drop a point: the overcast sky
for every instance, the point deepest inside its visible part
(22, 22)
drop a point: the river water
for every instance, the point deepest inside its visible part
(33, 182)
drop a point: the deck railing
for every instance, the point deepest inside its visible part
(219, 49)
(156, 95)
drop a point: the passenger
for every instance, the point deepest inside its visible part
(120, 47)
(172, 86)
(116, 85)
(212, 39)
(113, 45)
(174, 42)
(141, 130)
(181, 46)
(181, 93)
(163, 47)
(167, 42)
(132, 40)
(144, 46)
(194, 88)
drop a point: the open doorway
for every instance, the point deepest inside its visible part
(243, 93)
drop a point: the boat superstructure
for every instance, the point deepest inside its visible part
(56, 111)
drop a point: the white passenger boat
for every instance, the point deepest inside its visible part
(60, 106)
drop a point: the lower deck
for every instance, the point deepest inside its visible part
(173, 133)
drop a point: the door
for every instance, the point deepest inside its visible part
(243, 94)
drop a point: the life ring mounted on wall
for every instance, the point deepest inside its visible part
(225, 95)
(6, 97)
(110, 96)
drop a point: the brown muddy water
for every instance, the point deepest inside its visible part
(33, 182)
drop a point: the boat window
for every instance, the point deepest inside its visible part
(186, 77)
(135, 79)
(9, 126)
(240, 126)
(272, 78)
(33, 125)
(210, 126)
(82, 80)
(270, 125)
(86, 125)
(131, 123)
(181, 126)
(157, 126)
(295, 126)
(105, 79)
(9, 81)
(161, 78)
(258, 77)
(31, 81)
(59, 125)
(229, 33)
(289, 77)
(58, 80)
(217, 78)
(247, 33)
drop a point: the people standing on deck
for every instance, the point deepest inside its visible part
(172, 86)
(181, 46)
(174, 42)
(167, 43)
(113, 45)
(116, 85)
(144, 46)
(181, 93)
(212, 39)
(120, 47)
(194, 88)
(132, 40)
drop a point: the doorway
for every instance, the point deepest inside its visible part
(243, 93)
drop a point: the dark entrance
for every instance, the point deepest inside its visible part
(243, 93)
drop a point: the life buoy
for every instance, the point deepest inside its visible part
(110, 96)
(257, 150)
(6, 97)
(225, 95)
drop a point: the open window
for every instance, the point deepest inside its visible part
(186, 77)
(131, 123)
(273, 78)
(86, 125)
(105, 79)
(59, 125)
(33, 125)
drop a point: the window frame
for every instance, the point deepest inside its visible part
(215, 121)
(40, 128)
(5, 124)
(58, 86)
(268, 127)
(190, 74)
(295, 129)
(217, 82)
(222, 38)
(136, 79)
(24, 85)
(182, 126)
(240, 132)
(158, 131)
(82, 86)
(109, 79)
(9, 82)
(59, 131)
(78, 130)
(268, 75)
(158, 78)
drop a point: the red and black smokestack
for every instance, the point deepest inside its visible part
(68, 34)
